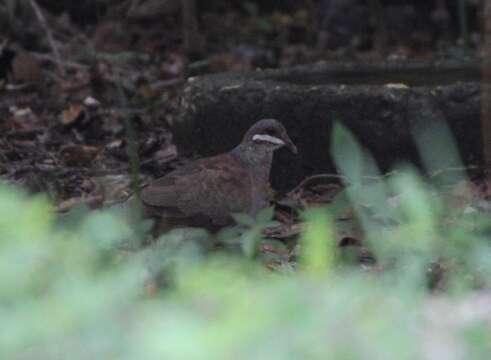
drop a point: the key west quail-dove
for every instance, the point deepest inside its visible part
(205, 192)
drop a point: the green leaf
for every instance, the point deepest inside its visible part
(439, 152)
(347, 154)
(244, 219)
(359, 167)
(251, 242)
(318, 244)
(265, 215)
(229, 235)
(251, 8)
(264, 25)
(272, 224)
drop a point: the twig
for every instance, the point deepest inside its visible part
(125, 168)
(486, 87)
(66, 64)
(44, 25)
(163, 84)
(346, 181)
(23, 134)
(439, 172)
(194, 41)
(131, 141)
(90, 201)
(317, 177)
(3, 45)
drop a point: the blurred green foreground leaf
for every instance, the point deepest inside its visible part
(69, 293)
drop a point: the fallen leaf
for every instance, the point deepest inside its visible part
(78, 154)
(74, 113)
(26, 69)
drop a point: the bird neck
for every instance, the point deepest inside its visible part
(260, 159)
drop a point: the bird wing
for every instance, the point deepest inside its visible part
(212, 187)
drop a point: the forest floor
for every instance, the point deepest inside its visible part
(69, 94)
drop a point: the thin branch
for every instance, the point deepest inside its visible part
(486, 87)
(49, 34)
(132, 142)
(194, 41)
(312, 178)
(90, 201)
(66, 64)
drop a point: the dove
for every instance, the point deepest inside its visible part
(206, 192)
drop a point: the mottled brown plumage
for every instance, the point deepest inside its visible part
(206, 192)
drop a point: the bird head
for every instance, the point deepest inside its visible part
(269, 135)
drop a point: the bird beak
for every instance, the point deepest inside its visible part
(290, 145)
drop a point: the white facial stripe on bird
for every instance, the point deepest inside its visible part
(268, 138)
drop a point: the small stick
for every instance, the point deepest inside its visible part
(317, 177)
(3, 45)
(90, 201)
(44, 25)
(50, 59)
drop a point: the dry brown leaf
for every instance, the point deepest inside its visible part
(78, 154)
(72, 114)
(26, 69)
